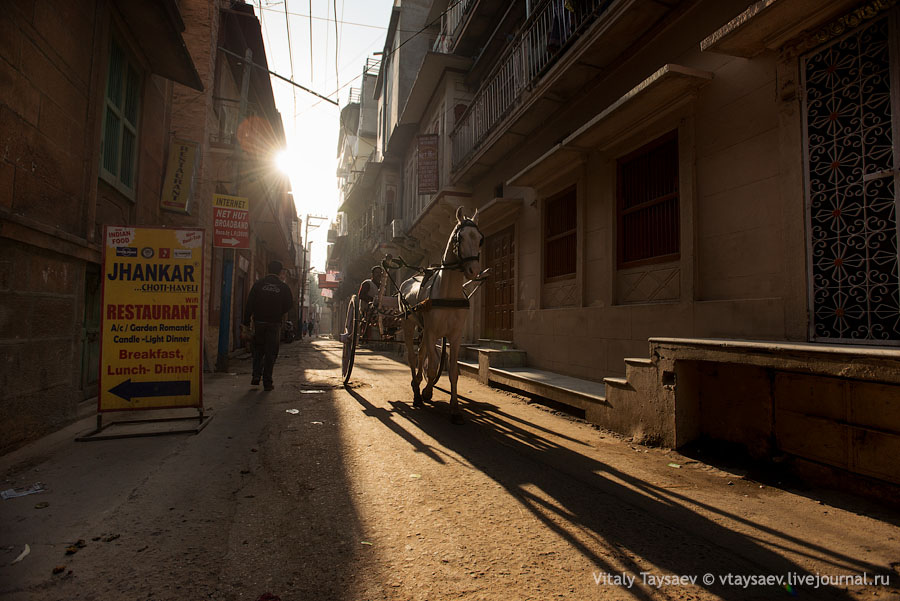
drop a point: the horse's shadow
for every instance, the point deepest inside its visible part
(634, 521)
(385, 416)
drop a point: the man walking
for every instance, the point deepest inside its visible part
(268, 301)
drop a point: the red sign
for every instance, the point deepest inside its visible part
(324, 282)
(231, 221)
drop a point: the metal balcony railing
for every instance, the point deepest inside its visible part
(552, 25)
(355, 95)
(372, 66)
(450, 24)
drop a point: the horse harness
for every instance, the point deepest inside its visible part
(457, 265)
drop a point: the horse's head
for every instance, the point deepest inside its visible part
(465, 243)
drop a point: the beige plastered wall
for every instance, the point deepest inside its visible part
(741, 271)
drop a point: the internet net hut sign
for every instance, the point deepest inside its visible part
(231, 221)
(151, 344)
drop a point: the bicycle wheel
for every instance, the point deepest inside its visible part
(350, 326)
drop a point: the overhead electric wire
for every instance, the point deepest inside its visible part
(337, 45)
(387, 55)
(287, 24)
(282, 77)
(310, 42)
(264, 27)
(342, 22)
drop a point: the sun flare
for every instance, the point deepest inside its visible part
(287, 161)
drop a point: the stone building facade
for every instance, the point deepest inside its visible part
(667, 186)
(92, 96)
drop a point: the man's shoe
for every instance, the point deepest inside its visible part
(254, 382)
(268, 387)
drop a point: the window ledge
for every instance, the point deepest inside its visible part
(498, 210)
(769, 24)
(652, 98)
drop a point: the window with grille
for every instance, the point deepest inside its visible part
(118, 153)
(561, 234)
(647, 211)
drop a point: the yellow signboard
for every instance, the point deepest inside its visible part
(179, 183)
(151, 344)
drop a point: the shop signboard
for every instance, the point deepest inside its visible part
(152, 319)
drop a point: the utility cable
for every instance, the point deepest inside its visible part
(337, 46)
(287, 24)
(282, 77)
(387, 55)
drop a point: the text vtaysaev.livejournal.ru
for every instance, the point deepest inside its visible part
(790, 579)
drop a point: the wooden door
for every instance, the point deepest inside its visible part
(500, 287)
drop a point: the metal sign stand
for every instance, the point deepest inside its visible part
(93, 435)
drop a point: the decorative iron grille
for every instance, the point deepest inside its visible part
(852, 200)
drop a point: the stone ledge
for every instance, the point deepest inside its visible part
(873, 363)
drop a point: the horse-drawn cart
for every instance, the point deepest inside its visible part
(431, 307)
(384, 312)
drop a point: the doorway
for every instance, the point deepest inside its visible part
(500, 287)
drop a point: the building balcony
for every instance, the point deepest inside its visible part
(451, 25)
(561, 46)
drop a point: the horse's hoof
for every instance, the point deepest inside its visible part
(427, 394)
(418, 403)
(457, 419)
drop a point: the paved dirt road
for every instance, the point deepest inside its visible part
(357, 496)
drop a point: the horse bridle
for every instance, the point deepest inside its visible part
(461, 261)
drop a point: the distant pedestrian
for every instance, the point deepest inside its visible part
(311, 328)
(268, 301)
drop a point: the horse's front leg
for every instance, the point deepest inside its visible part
(409, 333)
(455, 414)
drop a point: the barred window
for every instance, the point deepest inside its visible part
(561, 234)
(648, 221)
(119, 149)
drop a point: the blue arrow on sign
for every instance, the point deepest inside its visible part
(129, 390)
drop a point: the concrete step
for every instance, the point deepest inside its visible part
(617, 382)
(639, 371)
(639, 361)
(496, 344)
(575, 392)
(501, 358)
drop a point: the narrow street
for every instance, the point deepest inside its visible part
(356, 495)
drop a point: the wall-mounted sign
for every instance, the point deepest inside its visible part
(427, 167)
(151, 343)
(231, 221)
(178, 188)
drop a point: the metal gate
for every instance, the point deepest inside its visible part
(851, 122)
(500, 288)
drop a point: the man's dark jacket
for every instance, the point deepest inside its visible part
(269, 299)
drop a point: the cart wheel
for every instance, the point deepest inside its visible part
(350, 340)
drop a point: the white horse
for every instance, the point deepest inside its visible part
(444, 314)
